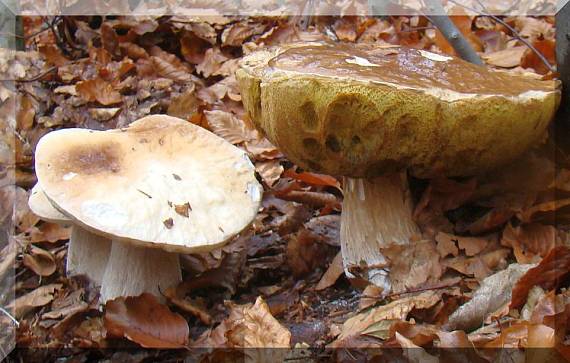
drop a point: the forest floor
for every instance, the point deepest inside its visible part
(280, 284)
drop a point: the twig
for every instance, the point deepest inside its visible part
(10, 316)
(516, 35)
(306, 18)
(35, 78)
(451, 33)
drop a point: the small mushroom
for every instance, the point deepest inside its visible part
(159, 187)
(371, 113)
(87, 253)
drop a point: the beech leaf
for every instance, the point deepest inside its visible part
(145, 321)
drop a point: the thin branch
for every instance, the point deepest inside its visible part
(516, 35)
(451, 33)
(10, 316)
(35, 78)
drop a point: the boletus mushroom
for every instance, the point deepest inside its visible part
(159, 187)
(87, 253)
(370, 113)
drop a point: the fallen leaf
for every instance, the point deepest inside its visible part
(104, 114)
(212, 62)
(530, 242)
(547, 274)
(505, 58)
(185, 105)
(229, 127)
(52, 54)
(195, 307)
(313, 199)
(305, 254)
(398, 309)
(238, 33)
(479, 266)
(98, 90)
(494, 291)
(334, 271)
(40, 261)
(413, 265)
(313, 178)
(446, 245)
(41, 296)
(145, 321)
(50, 232)
(530, 59)
(414, 353)
(247, 326)
(269, 170)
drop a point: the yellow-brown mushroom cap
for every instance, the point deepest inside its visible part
(361, 110)
(161, 182)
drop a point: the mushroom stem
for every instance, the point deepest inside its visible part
(87, 254)
(375, 214)
(132, 270)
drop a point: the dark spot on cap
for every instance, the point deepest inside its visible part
(177, 177)
(92, 159)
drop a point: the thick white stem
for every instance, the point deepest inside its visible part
(132, 270)
(375, 213)
(87, 255)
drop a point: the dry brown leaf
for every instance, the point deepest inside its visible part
(530, 59)
(446, 245)
(98, 90)
(332, 274)
(269, 170)
(398, 309)
(414, 353)
(305, 253)
(185, 105)
(171, 71)
(52, 54)
(41, 296)
(494, 292)
(195, 307)
(530, 242)
(547, 274)
(50, 232)
(238, 33)
(262, 149)
(212, 62)
(313, 199)
(133, 51)
(40, 261)
(109, 39)
(247, 326)
(413, 265)
(145, 321)
(229, 127)
(479, 266)
(313, 178)
(26, 113)
(506, 58)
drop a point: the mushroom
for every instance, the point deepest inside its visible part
(87, 253)
(159, 187)
(371, 113)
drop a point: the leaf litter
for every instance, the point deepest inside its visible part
(489, 271)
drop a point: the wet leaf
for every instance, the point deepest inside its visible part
(145, 321)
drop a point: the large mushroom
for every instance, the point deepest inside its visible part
(87, 253)
(160, 187)
(369, 113)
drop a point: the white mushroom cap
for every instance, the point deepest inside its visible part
(42, 207)
(162, 182)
